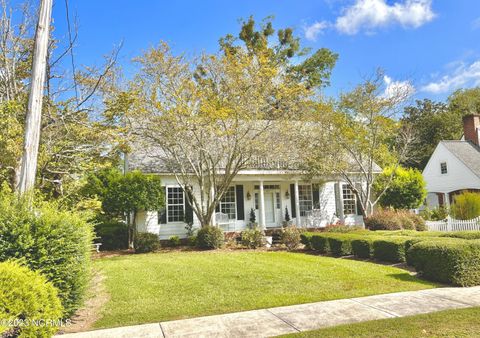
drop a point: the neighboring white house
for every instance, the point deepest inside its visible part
(266, 189)
(454, 166)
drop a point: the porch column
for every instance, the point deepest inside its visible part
(212, 197)
(262, 207)
(446, 200)
(297, 205)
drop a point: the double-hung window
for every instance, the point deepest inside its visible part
(443, 168)
(175, 204)
(349, 200)
(228, 203)
(305, 198)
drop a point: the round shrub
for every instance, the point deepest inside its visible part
(146, 242)
(252, 238)
(291, 237)
(210, 237)
(56, 242)
(27, 297)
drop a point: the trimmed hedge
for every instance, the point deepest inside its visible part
(462, 234)
(362, 247)
(305, 239)
(340, 245)
(319, 243)
(454, 262)
(27, 296)
(390, 249)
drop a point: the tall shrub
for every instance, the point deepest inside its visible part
(406, 189)
(466, 206)
(58, 243)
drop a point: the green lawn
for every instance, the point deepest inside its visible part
(450, 323)
(165, 286)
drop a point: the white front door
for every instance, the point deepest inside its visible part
(269, 208)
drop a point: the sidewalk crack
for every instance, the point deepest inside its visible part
(285, 321)
(376, 308)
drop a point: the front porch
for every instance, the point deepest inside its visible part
(308, 204)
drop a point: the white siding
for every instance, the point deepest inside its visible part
(458, 176)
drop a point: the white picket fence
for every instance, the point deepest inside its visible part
(451, 224)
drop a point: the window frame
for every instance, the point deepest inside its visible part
(352, 199)
(442, 163)
(223, 203)
(167, 204)
(303, 202)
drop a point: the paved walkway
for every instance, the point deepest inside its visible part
(304, 317)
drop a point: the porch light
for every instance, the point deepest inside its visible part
(248, 195)
(287, 195)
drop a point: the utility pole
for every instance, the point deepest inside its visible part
(28, 165)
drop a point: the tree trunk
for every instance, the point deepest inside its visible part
(28, 165)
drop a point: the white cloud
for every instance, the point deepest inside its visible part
(312, 31)
(397, 88)
(371, 14)
(462, 76)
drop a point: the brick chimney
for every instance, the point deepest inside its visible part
(471, 128)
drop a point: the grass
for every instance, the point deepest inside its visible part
(450, 323)
(166, 286)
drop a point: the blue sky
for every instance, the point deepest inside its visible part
(434, 45)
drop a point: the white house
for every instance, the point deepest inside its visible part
(266, 189)
(454, 166)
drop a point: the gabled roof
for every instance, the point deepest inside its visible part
(467, 152)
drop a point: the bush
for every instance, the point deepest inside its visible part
(390, 249)
(291, 237)
(27, 296)
(362, 247)
(319, 243)
(56, 242)
(340, 245)
(305, 239)
(146, 242)
(455, 262)
(192, 240)
(342, 228)
(210, 237)
(466, 206)
(395, 220)
(252, 238)
(112, 234)
(406, 188)
(174, 241)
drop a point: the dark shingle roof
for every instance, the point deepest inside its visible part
(467, 152)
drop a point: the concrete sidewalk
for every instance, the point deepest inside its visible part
(304, 317)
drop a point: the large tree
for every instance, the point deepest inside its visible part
(209, 118)
(358, 134)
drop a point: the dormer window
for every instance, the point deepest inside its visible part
(443, 168)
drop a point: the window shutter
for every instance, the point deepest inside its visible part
(316, 196)
(188, 210)
(359, 204)
(292, 201)
(162, 213)
(240, 201)
(338, 205)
